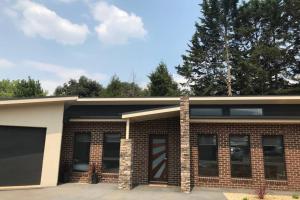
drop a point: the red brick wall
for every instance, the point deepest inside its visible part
(97, 129)
(291, 134)
(139, 132)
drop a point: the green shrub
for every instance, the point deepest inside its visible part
(295, 196)
(245, 198)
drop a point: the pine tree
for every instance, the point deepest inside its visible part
(203, 65)
(162, 83)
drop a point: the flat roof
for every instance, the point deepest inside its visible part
(74, 100)
(36, 100)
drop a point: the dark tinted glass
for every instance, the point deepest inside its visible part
(81, 152)
(246, 111)
(206, 112)
(240, 156)
(274, 157)
(208, 155)
(111, 154)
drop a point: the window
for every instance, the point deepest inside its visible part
(206, 112)
(208, 155)
(274, 158)
(240, 156)
(246, 111)
(81, 152)
(111, 154)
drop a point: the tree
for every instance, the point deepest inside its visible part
(162, 83)
(257, 44)
(28, 88)
(84, 87)
(269, 57)
(117, 88)
(7, 88)
(203, 65)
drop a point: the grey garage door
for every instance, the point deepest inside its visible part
(21, 155)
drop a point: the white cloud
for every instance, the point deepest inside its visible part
(35, 19)
(62, 74)
(116, 25)
(4, 63)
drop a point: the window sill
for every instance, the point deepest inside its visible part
(208, 178)
(277, 182)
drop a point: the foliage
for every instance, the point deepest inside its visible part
(245, 198)
(7, 88)
(257, 43)
(162, 83)
(117, 88)
(295, 196)
(28, 88)
(84, 87)
(21, 88)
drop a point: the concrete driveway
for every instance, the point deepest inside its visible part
(103, 191)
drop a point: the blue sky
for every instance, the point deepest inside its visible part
(56, 40)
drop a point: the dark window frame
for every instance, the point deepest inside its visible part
(74, 149)
(217, 154)
(250, 157)
(284, 159)
(103, 152)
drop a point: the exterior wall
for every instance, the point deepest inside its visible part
(139, 133)
(291, 134)
(48, 116)
(97, 129)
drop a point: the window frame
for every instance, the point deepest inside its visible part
(250, 160)
(74, 149)
(284, 159)
(103, 151)
(217, 154)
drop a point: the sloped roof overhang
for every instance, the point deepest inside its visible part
(152, 114)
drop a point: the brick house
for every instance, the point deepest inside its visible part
(232, 142)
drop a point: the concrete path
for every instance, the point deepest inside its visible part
(103, 191)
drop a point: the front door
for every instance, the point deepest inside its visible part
(158, 172)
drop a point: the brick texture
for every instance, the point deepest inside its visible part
(185, 155)
(291, 134)
(139, 132)
(97, 130)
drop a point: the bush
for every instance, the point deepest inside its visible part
(261, 192)
(295, 196)
(245, 198)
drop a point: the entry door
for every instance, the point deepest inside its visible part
(158, 163)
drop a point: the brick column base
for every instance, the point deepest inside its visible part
(126, 159)
(185, 151)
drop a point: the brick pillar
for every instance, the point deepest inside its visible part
(185, 151)
(126, 159)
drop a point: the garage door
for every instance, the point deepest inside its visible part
(21, 155)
